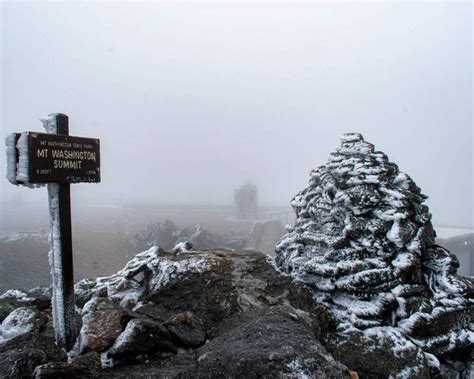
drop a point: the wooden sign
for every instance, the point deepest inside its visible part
(55, 158)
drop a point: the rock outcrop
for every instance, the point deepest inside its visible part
(364, 242)
(200, 314)
(167, 235)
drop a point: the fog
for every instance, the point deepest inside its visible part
(192, 100)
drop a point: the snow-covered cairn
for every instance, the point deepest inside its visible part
(363, 240)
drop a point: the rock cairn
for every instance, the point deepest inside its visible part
(364, 242)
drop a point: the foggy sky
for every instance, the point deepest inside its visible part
(191, 100)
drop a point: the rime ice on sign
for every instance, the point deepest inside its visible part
(31, 162)
(363, 240)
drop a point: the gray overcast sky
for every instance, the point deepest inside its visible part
(190, 100)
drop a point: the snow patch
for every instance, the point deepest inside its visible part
(19, 321)
(297, 370)
(17, 295)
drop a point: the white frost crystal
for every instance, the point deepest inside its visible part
(55, 262)
(19, 321)
(49, 123)
(23, 174)
(123, 288)
(364, 242)
(18, 171)
(10, 147)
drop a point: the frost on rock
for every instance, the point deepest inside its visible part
(20, 321)
(183, 247)
(363, 240)
(146, 272)
(20, 296)
(296, 370)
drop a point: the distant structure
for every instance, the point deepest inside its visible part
(264, 236)
(246, 203)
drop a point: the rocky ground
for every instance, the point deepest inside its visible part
(205, 314)
(176, 315)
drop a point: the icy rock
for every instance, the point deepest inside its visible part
(20, 321)
(13, 299)
(141, 336)
(233, 240)
(103, 321)
(84, 290)
(364, 242)
(183, 247)
(41, 297)
(163, 234)
(379, 352)
(225, 314)
(198, 237)
(238, 318)
(166, 234)
(268, 343)
(6, 307)
(159, 272)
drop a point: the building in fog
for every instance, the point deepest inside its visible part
(246, 202)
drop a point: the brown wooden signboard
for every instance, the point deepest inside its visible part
(55, 158)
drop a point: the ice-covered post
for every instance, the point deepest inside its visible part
(60, 256)
(56, 159)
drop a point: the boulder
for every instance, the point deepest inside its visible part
(379, 353)
(268, 343)
(13, 299)
(141, 337)
(20, 321)
(103, 321)
(10, 300)
(262, 343)
(20, 355)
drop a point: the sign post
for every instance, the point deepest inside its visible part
(56, 159)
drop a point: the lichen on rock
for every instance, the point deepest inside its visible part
(364, 242)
